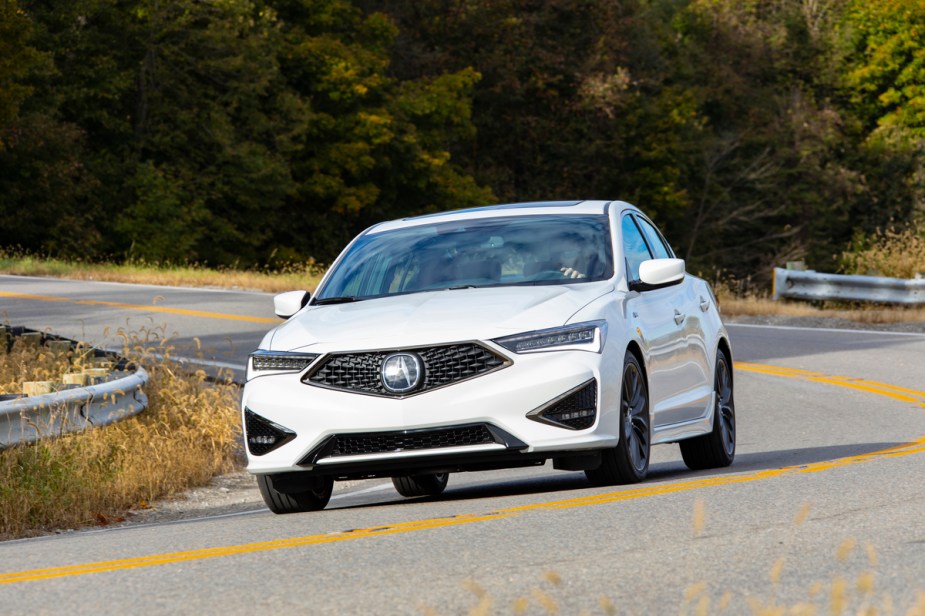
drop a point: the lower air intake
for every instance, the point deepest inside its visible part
(391, 442)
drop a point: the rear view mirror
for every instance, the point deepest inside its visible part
(658, 273)
(287, 304)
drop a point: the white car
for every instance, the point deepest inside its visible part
(490, 338)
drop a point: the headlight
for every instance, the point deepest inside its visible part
(587, 336)
(278, 361)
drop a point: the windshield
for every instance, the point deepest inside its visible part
(489, 252)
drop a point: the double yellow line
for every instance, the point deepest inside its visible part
(902, 394)
(896, 393)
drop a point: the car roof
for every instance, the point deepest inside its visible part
(505, 209)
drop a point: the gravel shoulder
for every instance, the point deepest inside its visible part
(237, 492)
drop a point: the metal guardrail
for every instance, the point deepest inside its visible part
(810, 285)
(28, 419)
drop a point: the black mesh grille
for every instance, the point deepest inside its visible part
(390, 442)
(262, 435)
(443, 365)
(576, 410)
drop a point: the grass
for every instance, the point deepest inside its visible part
(285, 278)
(895, 253)
(752, 305)
(189, 433)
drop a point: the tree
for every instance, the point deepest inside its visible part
(371, 146)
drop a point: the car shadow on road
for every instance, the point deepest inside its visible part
(548, 481)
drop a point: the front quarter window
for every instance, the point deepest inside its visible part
(635, 250)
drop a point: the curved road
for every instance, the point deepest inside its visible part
(824, 504)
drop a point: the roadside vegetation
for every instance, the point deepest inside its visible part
(189, 433)
(247, 134)
(283, 278)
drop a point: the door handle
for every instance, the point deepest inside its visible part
(678, 317)
(704, 304)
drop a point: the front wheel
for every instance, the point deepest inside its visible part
(718, 448)
(315, 498)
(428, 484)
(628, 462)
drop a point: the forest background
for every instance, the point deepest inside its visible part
(252, 133)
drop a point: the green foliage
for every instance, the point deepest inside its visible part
(17, 60)
(887, 78)
(235, 131)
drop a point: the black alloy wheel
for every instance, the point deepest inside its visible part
(628, 462)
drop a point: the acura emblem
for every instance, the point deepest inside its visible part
(402, 372)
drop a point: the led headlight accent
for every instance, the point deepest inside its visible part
(588, 336)
(279, 361)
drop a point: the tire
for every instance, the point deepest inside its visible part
(628, 462)
(428, 484)
(314, 499)
(718, 448)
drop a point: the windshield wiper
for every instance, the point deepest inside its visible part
(346, 299)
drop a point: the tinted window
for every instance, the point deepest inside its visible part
(505, 250)
(635, 250)
(654, 239)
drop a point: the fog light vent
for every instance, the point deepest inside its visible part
(575, 410)
(262, 435)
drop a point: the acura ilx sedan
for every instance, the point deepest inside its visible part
(490, 338)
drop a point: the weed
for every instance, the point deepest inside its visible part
(189, 433)
(284, 277)
(895, 253)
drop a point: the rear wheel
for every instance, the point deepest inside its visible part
(315, 498)
(628, 462)
(718, 448)
(428, 484)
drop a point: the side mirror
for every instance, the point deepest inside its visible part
(287, 304)
(658, 273)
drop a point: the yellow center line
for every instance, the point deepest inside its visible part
(874, 387)
(645, 491)
(141, 307)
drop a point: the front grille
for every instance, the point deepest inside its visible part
(414, 440)
(575, 410)
(443, 365)
(262, 435)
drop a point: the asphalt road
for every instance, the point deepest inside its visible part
(825, 500)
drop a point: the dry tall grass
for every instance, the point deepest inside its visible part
(188, 434)
(286, 278)
(754, 305)
(895, 253)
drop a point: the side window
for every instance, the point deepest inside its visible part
(635, 250)
(655, 239)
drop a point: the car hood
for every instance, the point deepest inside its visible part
(434, 317)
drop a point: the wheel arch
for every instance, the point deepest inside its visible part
(726, 348)
(634, 348)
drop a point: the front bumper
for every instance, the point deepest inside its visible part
(498, 403)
